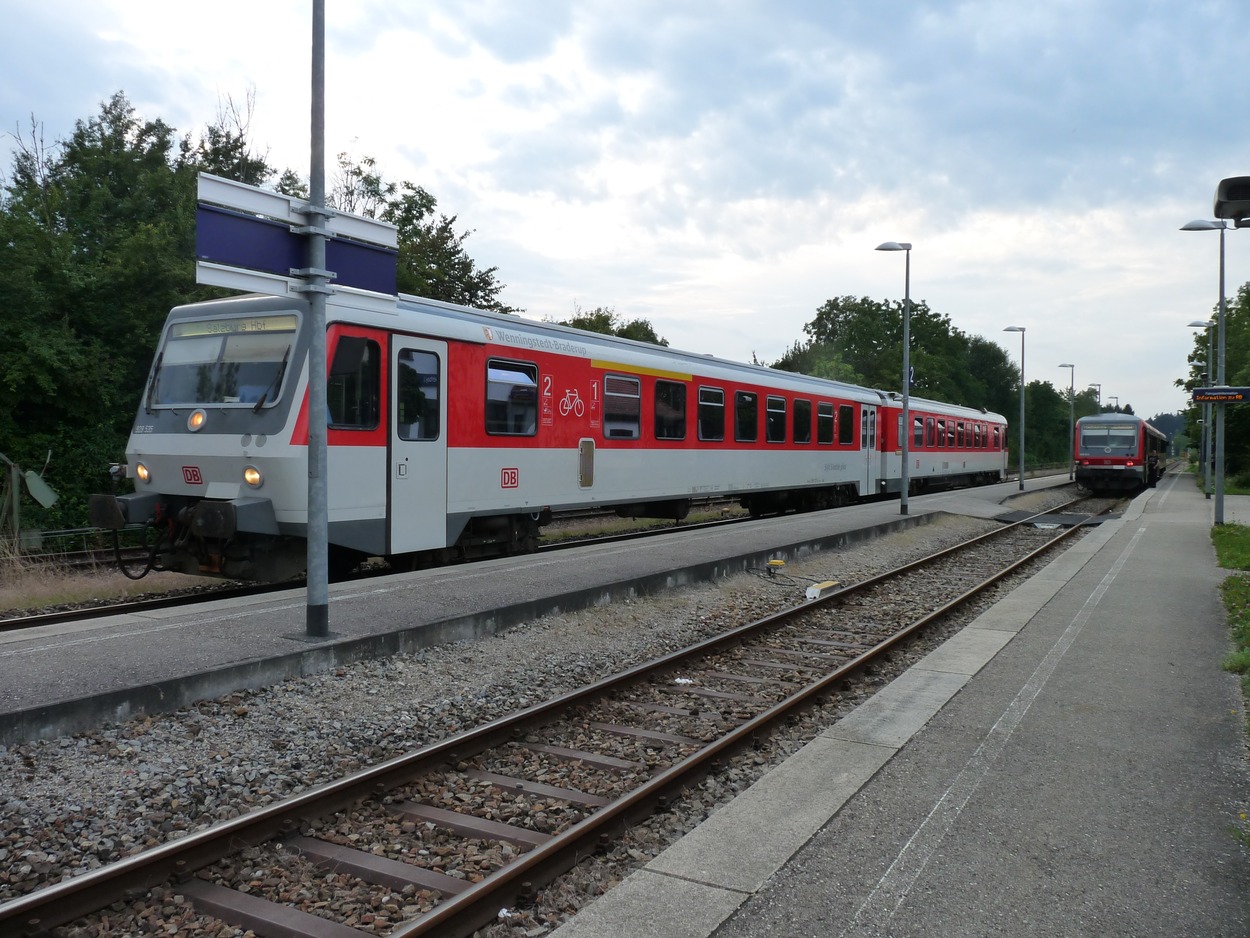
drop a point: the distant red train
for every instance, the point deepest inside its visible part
(1118, 453)
(455, 433)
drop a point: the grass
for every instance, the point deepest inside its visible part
(25, 585)
(1232, 549)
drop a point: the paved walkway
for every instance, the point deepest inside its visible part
(1072, 763)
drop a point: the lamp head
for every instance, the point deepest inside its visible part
(893, 246)
(1014, 329)
(1203, 224)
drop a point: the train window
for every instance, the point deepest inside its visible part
(802, 420)
(846, 425)
(670, 410)
(917, 431)
(998, 443)
(824, 422)
(230, 361)
(775, 419)
(511, 398)
(354, 385)
(976, 435)
(622, 407)
(416, 393)
(960, 441)
(746, 417)
(941, 433)
(950, 433)
(711, 414)
(929, 439)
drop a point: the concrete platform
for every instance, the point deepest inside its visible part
(1072, 763)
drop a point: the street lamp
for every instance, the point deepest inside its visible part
(1020, 329)
(1116, 405)
(1220, 225)
(1206, 408)
(1071, 418)
(905, 435)
(1097, 394)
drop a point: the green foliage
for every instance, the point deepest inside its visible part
(1232, 547)
(605, 321)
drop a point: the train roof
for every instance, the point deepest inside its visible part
(1118, 419)
(469, 324)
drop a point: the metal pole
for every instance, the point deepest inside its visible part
(1071, 419)
(1219, 407)
(317, 622)
(905, 479)
(1207, 433)
(1072, 425)
(1021, 408)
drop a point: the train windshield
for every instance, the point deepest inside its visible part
(224, 361)
(1114, 437)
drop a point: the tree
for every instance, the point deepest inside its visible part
(606, 321)
(432, 259)
(95, 246)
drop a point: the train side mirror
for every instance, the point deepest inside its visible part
(1232, 199)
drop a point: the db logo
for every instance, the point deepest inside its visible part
(509, 478)
(191, 475)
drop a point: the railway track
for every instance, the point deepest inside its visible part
(542, 787)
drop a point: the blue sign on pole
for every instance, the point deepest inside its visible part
(1221, 395)
(253, 239)
(236, 239)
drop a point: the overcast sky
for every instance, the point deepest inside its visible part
(723, 168)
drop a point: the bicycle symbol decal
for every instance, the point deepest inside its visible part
(572, 401)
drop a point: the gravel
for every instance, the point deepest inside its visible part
(72, 804)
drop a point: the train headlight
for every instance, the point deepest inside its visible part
(252, 476)
(142, 472)
(196, 420)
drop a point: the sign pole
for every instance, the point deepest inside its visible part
(317, 622)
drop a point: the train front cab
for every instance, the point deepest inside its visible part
(1117, 453)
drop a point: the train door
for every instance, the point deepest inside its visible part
(418, 472)
(868, 447)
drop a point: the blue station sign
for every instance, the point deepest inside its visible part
(1221, 395)
(253, 239)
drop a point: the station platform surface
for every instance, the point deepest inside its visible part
(1072, 763)
(65, 678)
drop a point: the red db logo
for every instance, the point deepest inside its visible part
(191, 475)
(509, 478)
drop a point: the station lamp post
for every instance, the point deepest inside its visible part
(1097, 394)
(1221, 226)
(904, 430)
(1071, 418)
(1116, 404)
(1205, 445)
(1020, 329)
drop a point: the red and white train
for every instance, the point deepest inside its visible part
(455, 433)
(1118, 453)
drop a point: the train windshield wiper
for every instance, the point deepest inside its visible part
(275, 383)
